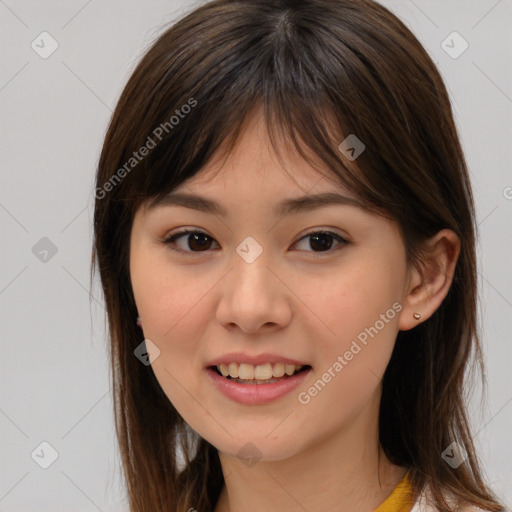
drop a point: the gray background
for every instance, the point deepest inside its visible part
(54, 112)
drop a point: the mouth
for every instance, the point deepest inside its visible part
(244, 373)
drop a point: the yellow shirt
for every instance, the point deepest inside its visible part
(400, 500)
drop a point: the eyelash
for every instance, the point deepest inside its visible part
(170, 241)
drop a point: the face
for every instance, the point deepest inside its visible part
(320, 287)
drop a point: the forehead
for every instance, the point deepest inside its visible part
(262, 174)
(255, 162)
(254, 175)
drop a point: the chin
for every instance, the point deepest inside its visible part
(257, 448)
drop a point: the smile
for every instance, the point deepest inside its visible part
(257, 374)
(257, 385)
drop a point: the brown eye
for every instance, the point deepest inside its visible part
(322, 241)
(194, 241)
(198, 241)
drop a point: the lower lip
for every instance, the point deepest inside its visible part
(256, 394)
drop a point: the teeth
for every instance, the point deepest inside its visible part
(289, 369)
(261, 372)
(223, 368)
(278, 369)
(245, 371)
(233, 369)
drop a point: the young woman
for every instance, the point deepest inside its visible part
(285, 235)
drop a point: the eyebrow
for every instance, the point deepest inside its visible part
(285, 207)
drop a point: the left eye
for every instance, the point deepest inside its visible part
(198, 241)
(323, 240)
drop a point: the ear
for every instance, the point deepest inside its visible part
(428, 286)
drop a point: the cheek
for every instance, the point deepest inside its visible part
(166, 306)
(165, 295)
(352, 299)
(359, 311)
(168, 303)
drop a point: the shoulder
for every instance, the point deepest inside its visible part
(425, 503)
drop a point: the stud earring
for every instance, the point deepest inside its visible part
(139, 321)
(417, 316)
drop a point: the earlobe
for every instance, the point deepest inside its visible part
(427, 289)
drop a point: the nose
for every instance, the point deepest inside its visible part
(254, 297)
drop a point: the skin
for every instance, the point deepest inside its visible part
(294, 300)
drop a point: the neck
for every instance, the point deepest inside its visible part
(345, 471)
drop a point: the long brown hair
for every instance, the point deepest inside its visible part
(321, 69)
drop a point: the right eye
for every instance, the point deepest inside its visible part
(197, 241)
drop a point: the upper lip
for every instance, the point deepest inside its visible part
(240, 357)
